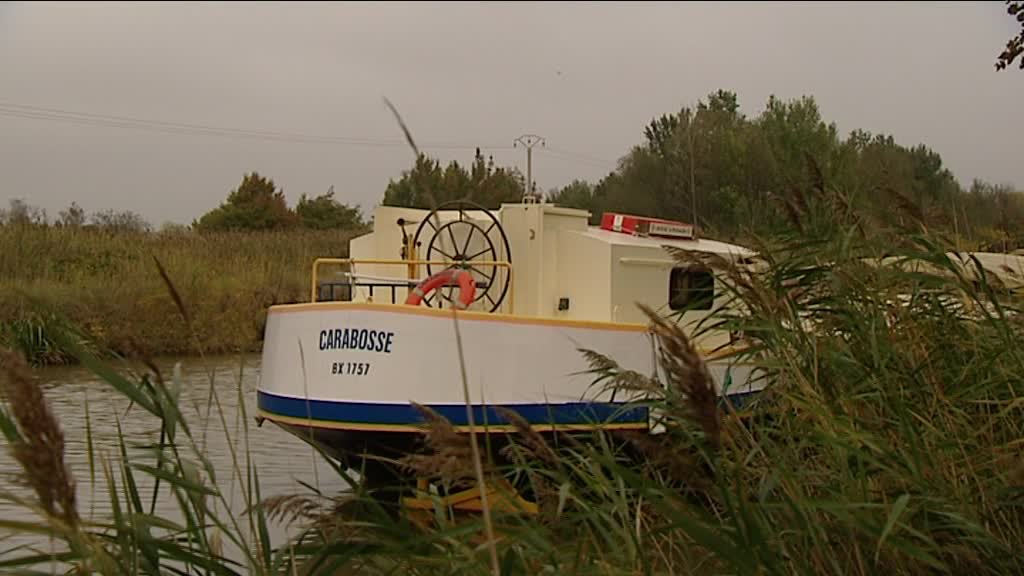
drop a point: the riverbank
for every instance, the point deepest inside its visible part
(887, 442)
(108, 286)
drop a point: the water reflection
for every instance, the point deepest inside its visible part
(79, 399)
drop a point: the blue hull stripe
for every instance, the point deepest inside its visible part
(739, 400)
(398, 414)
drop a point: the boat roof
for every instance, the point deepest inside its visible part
(696, 245)
(1008, 268)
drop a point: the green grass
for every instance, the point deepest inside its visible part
(108, 286)
(889, 441)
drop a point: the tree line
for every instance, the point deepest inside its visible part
(427, 184)
(732, 175)
(736, 176)
(20, 213)
(256, 204)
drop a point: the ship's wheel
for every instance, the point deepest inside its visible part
(468, 244)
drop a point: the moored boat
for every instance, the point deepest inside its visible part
(533, 285)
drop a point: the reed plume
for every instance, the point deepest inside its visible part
(450, 455)
(40, 448)
(687, 374)
(531, 438)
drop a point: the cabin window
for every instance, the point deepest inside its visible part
(691, 289)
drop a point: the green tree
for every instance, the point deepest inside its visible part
(795, 134)
(994, 215)
(1014, 46)
(417, 186)
(578, 194)
(784, 169)
(255, 205)
(492, 185)
(324, 212)
(427, 182)
(638, 186)
(691, 165)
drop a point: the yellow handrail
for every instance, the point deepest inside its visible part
(351, 261)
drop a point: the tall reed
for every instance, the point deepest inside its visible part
(106, 285)
(888, 441)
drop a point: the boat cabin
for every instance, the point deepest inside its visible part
(533, 259)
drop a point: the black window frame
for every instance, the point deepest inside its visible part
(698, 294)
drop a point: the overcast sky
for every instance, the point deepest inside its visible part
(587, 76)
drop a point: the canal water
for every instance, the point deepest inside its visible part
(281, 460)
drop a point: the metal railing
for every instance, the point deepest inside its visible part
(412, 267)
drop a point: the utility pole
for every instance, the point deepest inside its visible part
(693, 188)
(529, 141)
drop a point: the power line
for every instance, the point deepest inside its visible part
(29, 112)
(578, 158)
(22, 111)
(558, 150)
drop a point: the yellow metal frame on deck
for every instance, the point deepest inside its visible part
(501, 497)
(413, 267)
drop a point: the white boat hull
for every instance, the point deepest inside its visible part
(360, 367)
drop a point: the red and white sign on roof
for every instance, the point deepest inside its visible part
(646, 226)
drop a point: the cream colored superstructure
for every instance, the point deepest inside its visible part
(561, 266)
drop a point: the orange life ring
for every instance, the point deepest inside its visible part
(467, 287)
